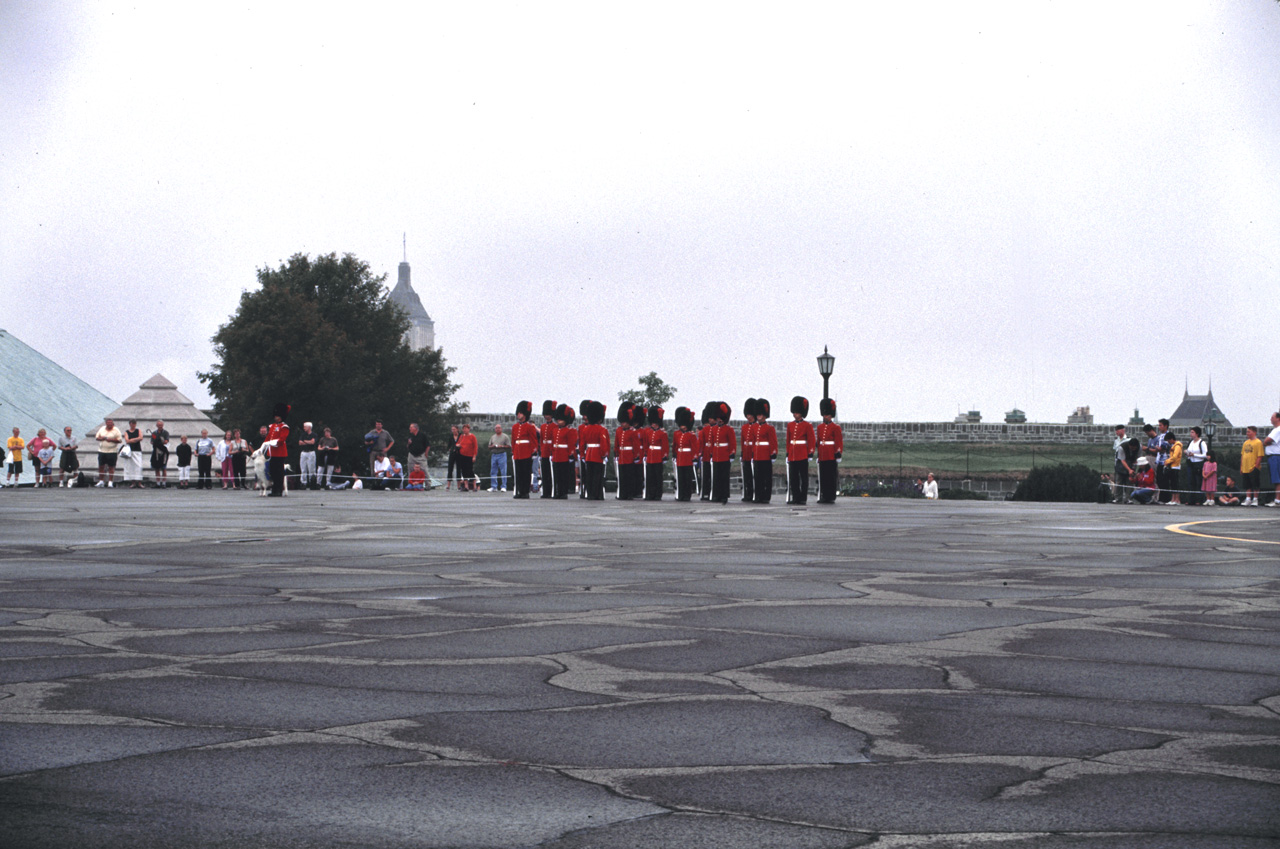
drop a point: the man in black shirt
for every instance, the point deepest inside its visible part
(183, 452)
(160, 455)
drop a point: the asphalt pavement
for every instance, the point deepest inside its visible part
(210, 669)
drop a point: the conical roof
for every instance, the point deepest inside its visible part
(404, 296)
(159, 399)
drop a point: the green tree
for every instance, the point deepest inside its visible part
(653, 392)
(323, 336)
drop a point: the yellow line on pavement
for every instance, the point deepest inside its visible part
(1180, 528)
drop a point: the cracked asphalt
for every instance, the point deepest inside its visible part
(192, 669)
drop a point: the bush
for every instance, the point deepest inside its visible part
(961, 495)
(1060, 482)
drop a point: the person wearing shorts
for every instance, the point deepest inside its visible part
(16, 446)
(109, 439)
(1271, 449)
(68, 460)
(1251, 454)
(44, 465)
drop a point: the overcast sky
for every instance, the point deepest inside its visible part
(974, 205)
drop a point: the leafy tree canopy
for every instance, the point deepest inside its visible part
(323, 336)
(653, 392)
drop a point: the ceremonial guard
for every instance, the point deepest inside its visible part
(724, 448)
(626, 448)
(748, 448)
(705, 438)
(657, 449)
(593, 437)
(583, 407)
(564, 452)
(640, 421)
(278, 453)
(687, 453)
(524, 444)
(546, 446)
(765, 452)
(830, 449)
(800, 444)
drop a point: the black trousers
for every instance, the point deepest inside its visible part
(720, 473)
(797, 481)
(524, 477)
(684, 483)
(705, 491)
(827, 478)
(204, 468)
(593, 480)
(762, 476)
(548, 479)
(562, 474)
(1166, 480)
(748, 481)
(276, 465)
(635, 480)
(653, 481)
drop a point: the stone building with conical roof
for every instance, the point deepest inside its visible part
(159, 400)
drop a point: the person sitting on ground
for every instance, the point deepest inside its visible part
(1229, 495)
(1143, 481)
(396, 479)
(381, 471)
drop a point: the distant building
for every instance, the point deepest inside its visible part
(1081, 416)
(1136, 421)
(159, 400)
(1196, 410)
(1015, 416)
(971, 417)
(421, 334)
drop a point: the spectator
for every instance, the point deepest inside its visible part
(16, 446)
(397, 474)
(1143, 481)
(930, 488)
(160, 455)
(1122, 467)
(34, 447)
(225, 464)
(205, 450)
(326, 457)
(110, 438)
(1173, 467)
(468, 448)
(69, 461)
(183, 453)
(378, 441)
(1209, 479)
(307, 478)
(133, 460)
(240, 451)
(44, 464)
(1166, 480)
(1251, 454)
(452, 473)
(381, 471)
(418, 448)
(1229, 496)
(499, 445)
(1195, 456)
(1271, 450)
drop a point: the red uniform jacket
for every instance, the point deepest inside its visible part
(566, 447)
(547, 439)
(642, 441)
(656, 446)
(280, 433)
(593, 442)
(749, 430)
(627, 443)
(687, 447)
(723, 443)
(800, 440)
(706, 436)
(467, 445)
(830, 441)
(766, 447)
(524, 440)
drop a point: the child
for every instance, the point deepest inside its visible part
(44, 465)
(183, 452)
(1210, 485)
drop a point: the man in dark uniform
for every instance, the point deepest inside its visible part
(800, 444)
(546, 445)
(765, 452)
(279, 452)
(748, 448)
(593, 441)
(524, 442)
(656, 451)
(830, 448)
(724, 448)
(687, 453)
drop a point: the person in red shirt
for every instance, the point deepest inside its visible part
(593, 441)
(564, 452)
(687, 452)
(800, 444)
(468, 448)
(705, 438)
(524, 444)
(278, 453)
(748, 449)
(724, 448)
(657, 449)
(830, 448)
(546, 444)
(764, 452)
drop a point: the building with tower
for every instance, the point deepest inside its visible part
(422, 330)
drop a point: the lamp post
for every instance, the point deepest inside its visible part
(826, 365)
(1210, 428)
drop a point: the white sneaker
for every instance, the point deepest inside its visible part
(100, 483)
(1211, 503)
(111, 484)
(1272, 504)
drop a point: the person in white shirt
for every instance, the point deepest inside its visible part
(930, 487)
(1271, 450)
(1194, 456)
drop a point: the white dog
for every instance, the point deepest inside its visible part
(261, 481)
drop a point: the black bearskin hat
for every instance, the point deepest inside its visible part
(562, 413)
(749, 408)
(827, 407)
(800, 404)
(594, 412)
(709, 412)
(282, 410)
(549, 408)
(624, 412)
(569, 414)
(684, 417)
(655, 416)
(723, 412)
(639, 415)
(524, 408)
(762, 407)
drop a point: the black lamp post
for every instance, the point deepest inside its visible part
(1210, 427)
(826, 365)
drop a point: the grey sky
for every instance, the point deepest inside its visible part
(973, 204)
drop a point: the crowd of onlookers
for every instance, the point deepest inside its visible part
(1162, 467)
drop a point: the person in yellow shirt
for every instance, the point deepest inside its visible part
(1251, 467)
(1174, 465)
(16, 446)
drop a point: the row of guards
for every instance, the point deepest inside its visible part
(641, 446)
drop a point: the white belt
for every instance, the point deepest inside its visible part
(593, 444)
(828, 442)
(799, 442)
(522, 442)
